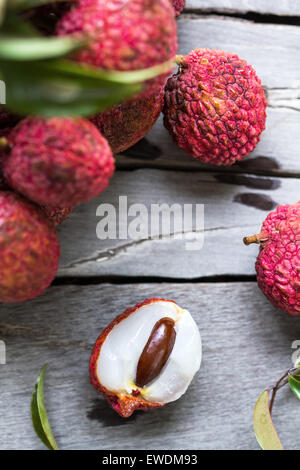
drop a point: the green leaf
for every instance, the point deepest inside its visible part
(39, 415)
(54, 88)
(24, 49)
(294, 381)
(24, 4)
(2, 9)
(264, 429)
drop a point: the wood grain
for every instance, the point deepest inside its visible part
(282, 7)
(246, 346)
(234, 206)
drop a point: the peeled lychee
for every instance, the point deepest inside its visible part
(29, 249)
(178, 6)
(147, 357)
(58, 162)
(123, 35)
(215, 106)
(125, 124)
(278, 262)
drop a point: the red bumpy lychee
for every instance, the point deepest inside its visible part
(178, 6)
(56, 215)
(278, 262)
(29, 249)
(58, 162)
(124, 35)
(125, 124)
(215, 106)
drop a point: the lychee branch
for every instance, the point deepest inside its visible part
(254, 239)
(284, 380)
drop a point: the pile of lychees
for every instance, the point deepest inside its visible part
(214, 107)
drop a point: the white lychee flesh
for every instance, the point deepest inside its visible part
(120, 353)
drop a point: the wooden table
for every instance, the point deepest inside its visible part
(246, 342)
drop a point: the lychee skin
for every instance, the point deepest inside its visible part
(125, 124)
(29, 249)
(124, 405)
(215, 107)
(124, 35)
(59, 162)
(278, 263)
(56, 215)
(178, 6)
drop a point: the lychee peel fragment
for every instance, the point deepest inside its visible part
(115, 358)
(278, 262)
(215, 106)
(29, 249)
(58, 162)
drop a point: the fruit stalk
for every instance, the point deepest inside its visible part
(252, 239)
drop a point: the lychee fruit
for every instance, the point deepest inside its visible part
(147, 357)
(127, 123)
(215, 106)
(278, 262)
(56, 215)
(58, 162)
(29, 249)
(123, 35)
(178, 6)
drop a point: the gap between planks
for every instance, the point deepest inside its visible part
(127, 163)
(254, 17)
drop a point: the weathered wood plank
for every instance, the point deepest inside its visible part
(234, 206)
(273, 50)
(246, 345)
(284, 7)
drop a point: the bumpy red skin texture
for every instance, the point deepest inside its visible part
(215, 107)
(124, 405)
(29, 249)
(59, 162)
(124, 35)
(178, 6)
(278, 263)
(125, 124)
(56, 215)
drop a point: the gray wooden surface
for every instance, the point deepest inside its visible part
(246, 346)
(246, 342)
(275, 7)
(234, 206)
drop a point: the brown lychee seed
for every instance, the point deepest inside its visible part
(29, 249)
(146, 357)
(278, 262)
(156, 352)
